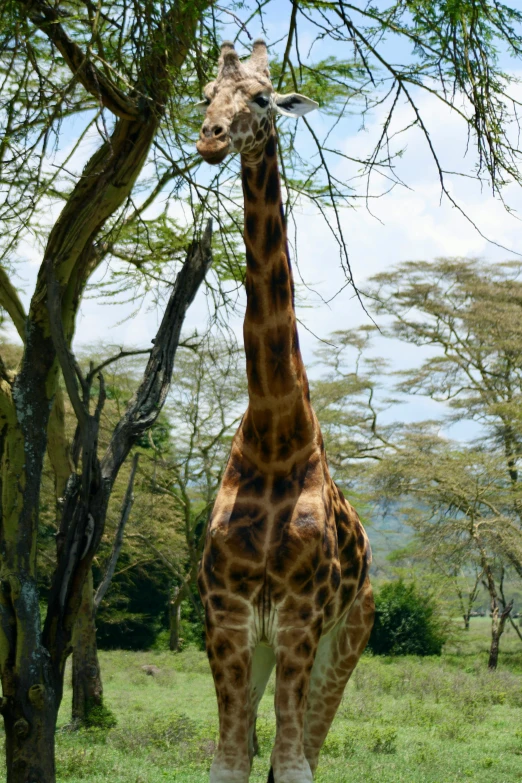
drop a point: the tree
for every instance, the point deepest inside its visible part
(43, 54)
(88, 707)
(471, 312)
(85, 504)
(459, 501)
(463, 501)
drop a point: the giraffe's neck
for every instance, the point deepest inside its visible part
(278, 428)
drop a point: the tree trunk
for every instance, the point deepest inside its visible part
(29, 734)
(88, 708)
(87, 703)
(498, 623)
(175, 619)
(30, 703)
(466, 622)
(495, 637)
(30, 693)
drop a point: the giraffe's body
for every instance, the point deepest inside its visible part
(284, 572)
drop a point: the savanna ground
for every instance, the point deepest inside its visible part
(402, 720)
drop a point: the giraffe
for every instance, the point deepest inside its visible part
(284, 571)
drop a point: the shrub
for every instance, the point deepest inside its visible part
(383, 740)
(406, 622)
(100, 717)
(333, 745)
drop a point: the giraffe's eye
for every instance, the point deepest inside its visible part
(261, 101)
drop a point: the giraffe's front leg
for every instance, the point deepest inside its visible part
(337, 655)
(295, 651)
(230, 657)
(262, 664)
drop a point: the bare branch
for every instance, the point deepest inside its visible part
(118, 538)
(149, 398)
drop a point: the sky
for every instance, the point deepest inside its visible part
(410, 223)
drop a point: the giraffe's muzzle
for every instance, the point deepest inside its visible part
(214, 141)
(213, 153)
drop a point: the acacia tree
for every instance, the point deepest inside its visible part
(471, 312)
(463, 502)
(459, 502)
(31, 660)
(85, 503)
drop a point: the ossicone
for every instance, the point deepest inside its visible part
(259, 56)
(228, 59)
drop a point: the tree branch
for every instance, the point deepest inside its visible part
(69, 368)
(118, 538)
(11, 303)
(47, 19)
(149, 398)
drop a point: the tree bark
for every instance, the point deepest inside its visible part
(175, 618)
(31, 699)
(498, 623)
(87, 687)
(29, 722)
(29, 705)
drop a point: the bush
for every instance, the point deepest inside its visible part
(406, 622)
(383, 740)
(100, 717)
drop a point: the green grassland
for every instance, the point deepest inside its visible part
(411, 720)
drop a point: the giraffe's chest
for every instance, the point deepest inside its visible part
(272, 556)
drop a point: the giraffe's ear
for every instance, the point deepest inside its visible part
(294, 105)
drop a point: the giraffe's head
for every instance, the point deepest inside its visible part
(240, 105)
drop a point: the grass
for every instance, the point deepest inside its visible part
(402, 720)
